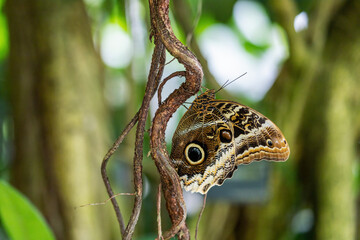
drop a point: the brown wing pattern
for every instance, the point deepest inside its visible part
(214, 136)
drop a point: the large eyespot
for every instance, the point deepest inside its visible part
(194, 154)
(269, 143)
(225, 136)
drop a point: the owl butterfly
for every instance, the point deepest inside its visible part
(215, 136)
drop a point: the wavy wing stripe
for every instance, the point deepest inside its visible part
(270, 154)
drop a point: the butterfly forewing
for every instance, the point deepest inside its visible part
(215, 136)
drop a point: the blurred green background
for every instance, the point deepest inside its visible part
(73, 73)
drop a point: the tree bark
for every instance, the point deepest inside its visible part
(59, 114)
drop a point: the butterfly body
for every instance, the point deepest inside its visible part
(215, 136)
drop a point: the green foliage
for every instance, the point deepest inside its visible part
(19, 217)
(220, 10)
(3, 34)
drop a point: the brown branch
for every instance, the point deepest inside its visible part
(181, 11)
(171, 187)
(158, 212)
(106, 178)
(164, 37)
(173, 45)
(172, 193)
(155, 74)
(200, 215)
(175, 74)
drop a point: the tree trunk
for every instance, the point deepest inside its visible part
(336, 205)
(59, 114)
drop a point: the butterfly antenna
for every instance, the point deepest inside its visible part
(185, 106)
(223, 86)
(227, 83)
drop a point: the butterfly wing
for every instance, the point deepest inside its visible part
(201, 156)
(256, 137)
(214, 136)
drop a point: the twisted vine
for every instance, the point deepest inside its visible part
(171, 188)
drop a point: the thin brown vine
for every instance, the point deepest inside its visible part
(171, 188)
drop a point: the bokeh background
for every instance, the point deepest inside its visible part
(73, 73)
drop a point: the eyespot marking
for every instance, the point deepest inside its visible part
(269, 143)
(194, 154)
(225, 136)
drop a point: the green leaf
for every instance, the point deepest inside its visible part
(20, 218)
